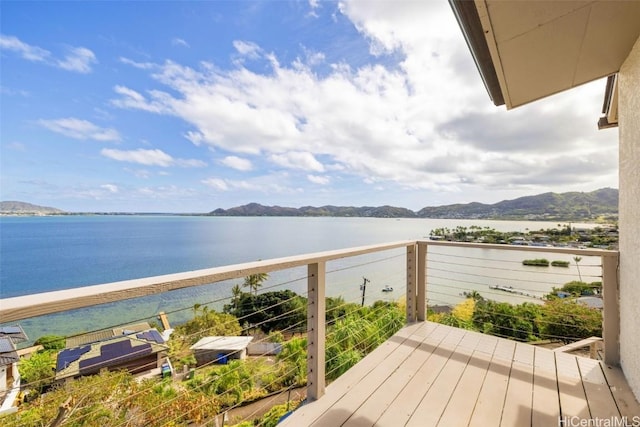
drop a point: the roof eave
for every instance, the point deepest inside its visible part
(467, 16)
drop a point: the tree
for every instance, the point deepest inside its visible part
(236, 293)
(569, 321)
(51, 342)
(276, 310)
(294, 358)
(577, 259)
(38, 371)
(254, 281)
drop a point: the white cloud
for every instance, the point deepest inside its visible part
(154, 157)
(414, 115)
(139, 65)
(317, 179)
(158, 102)
(28, 52)
(179, 42)
(297, 160)
(80, 129)
(237, 163)
(110, 188)
(265, 184)
(248, 49)
(78, 59)
(216, 184)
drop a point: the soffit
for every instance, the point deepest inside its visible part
(540, 48)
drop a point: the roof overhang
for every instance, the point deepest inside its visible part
(540, 48)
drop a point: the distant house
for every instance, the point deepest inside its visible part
(136, 352)
(9, 375)
(78, 340)
(219, 349)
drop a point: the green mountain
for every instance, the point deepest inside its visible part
(573, 206)
(256, 209)
(22, 208)
(548, 206)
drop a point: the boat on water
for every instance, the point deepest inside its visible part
(387, 289)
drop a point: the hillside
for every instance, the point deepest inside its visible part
(22, 208)
(573, 206)
(548, 206)
(256, 209)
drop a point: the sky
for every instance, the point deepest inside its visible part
(190, 106)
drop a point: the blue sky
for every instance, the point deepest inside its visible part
(191, 106)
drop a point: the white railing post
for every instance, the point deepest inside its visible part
(422, 281)
(316, 320)
(611, 310)
(411, 283)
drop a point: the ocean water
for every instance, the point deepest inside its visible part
(40, 254)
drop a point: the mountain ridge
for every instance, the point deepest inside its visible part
(570, 206)
(546, 206)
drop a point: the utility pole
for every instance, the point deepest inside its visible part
(363, 288)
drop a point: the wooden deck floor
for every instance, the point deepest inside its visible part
(430, 374)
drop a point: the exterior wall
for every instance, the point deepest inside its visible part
(629, 223)
(3, 380)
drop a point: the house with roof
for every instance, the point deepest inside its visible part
(9, 374)
(136, 352)
(216, 349)
(525, 51)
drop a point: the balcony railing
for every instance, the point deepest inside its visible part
(420, 258)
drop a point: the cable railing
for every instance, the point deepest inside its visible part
(420, 273)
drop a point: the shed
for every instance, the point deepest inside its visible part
(219, 349)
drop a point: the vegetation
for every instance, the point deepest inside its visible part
(538, 262)
(561, 319)
(51, 342)
(561, 236)
(269, 311)
(38, 371)
(567, 320)
(576, 288)
(115, 398)
(548, 206)
(560, 263)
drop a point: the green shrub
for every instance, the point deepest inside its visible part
(538, 262)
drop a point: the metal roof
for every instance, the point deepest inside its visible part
(222, 343)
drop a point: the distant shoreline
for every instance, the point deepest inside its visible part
(607, 220)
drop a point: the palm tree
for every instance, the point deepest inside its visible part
(236, 292)
(577, 259)
(254, 281)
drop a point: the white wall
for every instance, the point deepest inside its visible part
(629, 130)
(3, 379)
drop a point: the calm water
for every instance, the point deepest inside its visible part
(39, 254)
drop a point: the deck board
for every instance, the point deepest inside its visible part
(430, 374)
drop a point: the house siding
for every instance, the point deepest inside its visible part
(629, 221)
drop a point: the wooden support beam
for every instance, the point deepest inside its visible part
(316, 321)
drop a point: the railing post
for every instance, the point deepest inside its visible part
(316, 330)
(422, 282)
(411, 283)
(611, 310)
